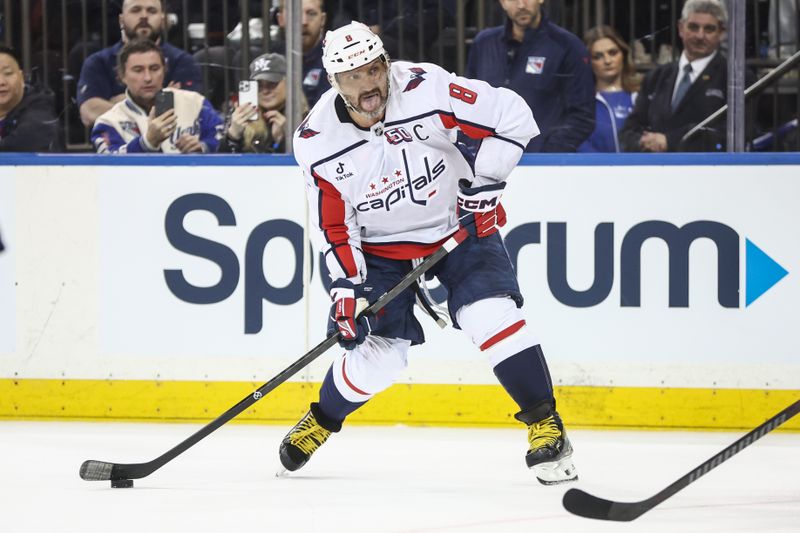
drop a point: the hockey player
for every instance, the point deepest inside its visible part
(387, 185)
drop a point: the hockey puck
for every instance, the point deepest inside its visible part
(121, 483)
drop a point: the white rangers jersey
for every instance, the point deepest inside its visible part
(390, 190)
(123, 128)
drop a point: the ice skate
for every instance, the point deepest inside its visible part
(304, 439)
(549, 450)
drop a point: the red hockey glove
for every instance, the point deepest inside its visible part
(348, 302)
(479, 209)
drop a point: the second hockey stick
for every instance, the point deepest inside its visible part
(584, 504)
(92, 470)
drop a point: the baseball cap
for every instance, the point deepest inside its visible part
(269, 67)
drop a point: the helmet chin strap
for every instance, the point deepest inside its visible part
(335, 84)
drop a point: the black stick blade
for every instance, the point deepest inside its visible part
(584, 504)
(96, 470)
(103, 471)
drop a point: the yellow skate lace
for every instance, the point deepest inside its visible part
(309, 435)
(543, 433)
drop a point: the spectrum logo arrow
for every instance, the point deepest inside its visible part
(763, 272)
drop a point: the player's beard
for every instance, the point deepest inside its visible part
(377, 112)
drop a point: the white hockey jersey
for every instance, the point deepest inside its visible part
(390, 190)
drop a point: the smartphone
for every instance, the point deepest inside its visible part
(165, 100)
(248, 94)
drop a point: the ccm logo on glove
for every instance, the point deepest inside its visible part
(479, 208)
(479, 205)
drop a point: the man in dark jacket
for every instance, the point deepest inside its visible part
(99, 88)
(315, 79)
(676, 97)
(27, 117)
(546, 65)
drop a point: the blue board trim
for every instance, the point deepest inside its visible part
(258, 160)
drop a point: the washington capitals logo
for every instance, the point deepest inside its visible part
(416, 79)
(305, 131)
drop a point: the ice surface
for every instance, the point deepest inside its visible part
(384, 479)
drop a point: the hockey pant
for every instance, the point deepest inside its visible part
(495, 325)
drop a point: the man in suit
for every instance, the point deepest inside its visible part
(676, 97)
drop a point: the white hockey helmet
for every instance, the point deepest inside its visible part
(349, 47)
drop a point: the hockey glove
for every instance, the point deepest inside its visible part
(348, 302)
(479, 209)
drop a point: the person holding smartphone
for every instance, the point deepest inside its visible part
(99, 86)
(257, 123)
(152, 119)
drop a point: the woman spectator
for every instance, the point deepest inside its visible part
(616, 84)
(27, 116)
(262, 129)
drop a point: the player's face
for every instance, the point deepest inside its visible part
(606, 60)
(271, 95)
(313, 22)
(701, 34)
(366, 88)
(144, 76)
(141, 19)
(523, 13)
(12, 84)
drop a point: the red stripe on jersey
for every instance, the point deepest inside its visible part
(403, 251)
(448, 121)
(331, 221)
(510, 330)
(350, 383)
(473, 131)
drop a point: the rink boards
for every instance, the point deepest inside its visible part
(663, 290)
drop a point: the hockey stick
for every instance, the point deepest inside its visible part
(92, 470)
(584, 504)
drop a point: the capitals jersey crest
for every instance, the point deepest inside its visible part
(416, 79)
(304, 132)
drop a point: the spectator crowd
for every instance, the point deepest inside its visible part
(144, 94)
